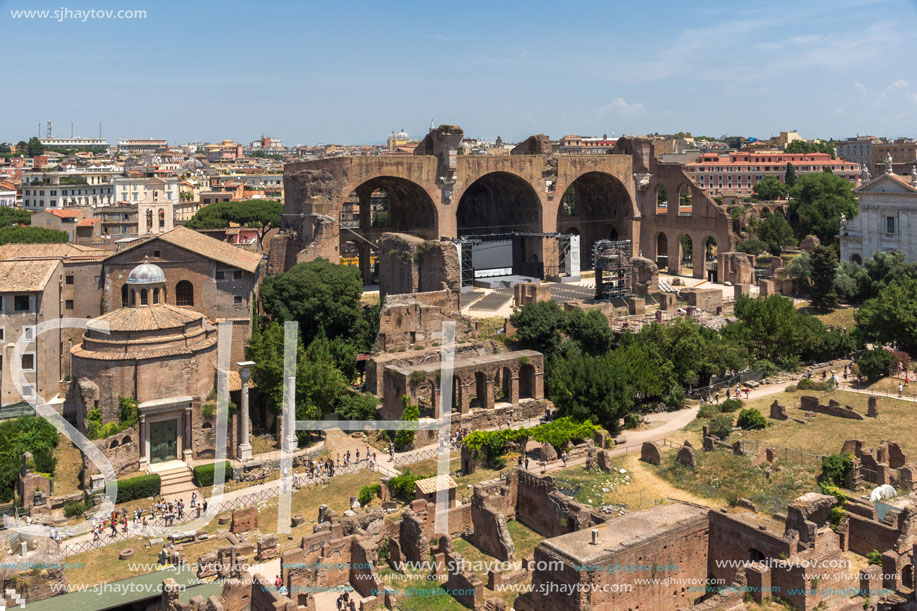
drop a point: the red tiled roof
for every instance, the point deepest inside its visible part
(65, 214)
(88, 222)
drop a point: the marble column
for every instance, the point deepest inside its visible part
(245, 448)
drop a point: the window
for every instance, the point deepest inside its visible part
(68, 304)
(2, 337)
(156, 253)
(155, 296)
(69, 279)
(28, 361)
(143, 297)
(237, 275)
(21, 303)
(26, 391)
(29, 332)
(124, 303)
(889, 224)
(184, 293)
(221, 275)
(237, 300)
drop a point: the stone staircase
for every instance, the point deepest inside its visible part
(177, 483)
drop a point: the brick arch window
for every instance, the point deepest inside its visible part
(124, 296)
(184, 293)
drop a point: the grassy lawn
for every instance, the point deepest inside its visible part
(102, 565)
(842, 316)
(68, 467)
(826, 434)
(726, 477)
(641, 489)
(424, 595)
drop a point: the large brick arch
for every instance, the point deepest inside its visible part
(412, 208)
(316, 191)
(498, 202)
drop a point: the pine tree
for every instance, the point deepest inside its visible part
(789, 178)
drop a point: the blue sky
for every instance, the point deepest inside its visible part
(317, 71)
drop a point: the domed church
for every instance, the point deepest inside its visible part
(162, 355)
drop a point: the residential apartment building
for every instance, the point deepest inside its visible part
(100, 144)
(225, 151)
(887, 220)
(857, 150)
(118, 221)
(136, 190)
(78, 223)
(742, 170)
(902, 151)
(579, 145)
(30, 295)
(41, 190)
(7, 199)
(131, 147)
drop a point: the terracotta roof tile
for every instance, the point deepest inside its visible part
(148, 318)
(26, 276)
(435, 484)
(57, 250)
(208, 247)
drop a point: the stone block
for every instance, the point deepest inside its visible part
(686, 456)
(873, 407)
(244, 520)
(778, 412)
(649, 452)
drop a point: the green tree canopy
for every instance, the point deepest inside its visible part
(818, 201)
(590, 330)
(585, 387)
(875, 363)
(891, 316)
(257, 213)
(18, 234)
(775, 231)
(14, 216)
(789, 177)
(799, 147)
(319, 384)
(35, 147)
(824, 270)
(539, 325)
(770, 189)
(317, 294)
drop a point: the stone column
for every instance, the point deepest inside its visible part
(144, 457)
(245, 448)
(488, 393)
(187, 453)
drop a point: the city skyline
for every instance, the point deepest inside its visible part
(320, 73)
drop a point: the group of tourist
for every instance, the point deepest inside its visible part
(344, 602)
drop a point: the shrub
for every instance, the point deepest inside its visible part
(721, 426)
(791, 388)
(402, 486)
(875, 557)
(809, 384)
(140, 487)
(128, 411)
(76, 508)
(751, 418)
(834, 469)
(208, 410)
(19, 435)
(730, 405)
(368, 493)
(875, 363)
(707, 411)
(766, 367)
(204, 474)
(405, 437)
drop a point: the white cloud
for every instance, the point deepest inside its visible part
(619, 106)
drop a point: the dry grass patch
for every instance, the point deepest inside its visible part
(826, 434)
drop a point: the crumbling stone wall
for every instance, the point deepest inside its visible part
(833, 408)
(409, 264)
(416, 320)
(515, 375)
(545, 510)
(732, 538)
(489, 524)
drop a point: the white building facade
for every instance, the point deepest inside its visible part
(139, 190)
(43, 190)
(887, 220)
